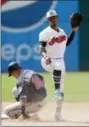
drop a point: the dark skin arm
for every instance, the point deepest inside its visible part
(42, 48)
(72, 35)
(43, 52)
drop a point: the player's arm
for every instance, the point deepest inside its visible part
(43, 38)
(15, 92)
(23, 96)
(23, 100)
(71, 36)
(42, 48)
(44, 53)
(43, 43)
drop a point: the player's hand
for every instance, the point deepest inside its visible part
(23, 113)
(47, 60)
(22, 109)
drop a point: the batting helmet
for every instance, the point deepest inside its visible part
(12, 67)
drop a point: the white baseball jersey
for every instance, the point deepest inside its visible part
(56, 42)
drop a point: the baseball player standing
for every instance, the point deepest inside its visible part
(29, 92)
(53, 41)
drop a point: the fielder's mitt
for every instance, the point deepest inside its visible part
(76, 19)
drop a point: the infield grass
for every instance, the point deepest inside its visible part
(76, 86)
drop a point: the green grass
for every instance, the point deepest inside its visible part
(76, 86)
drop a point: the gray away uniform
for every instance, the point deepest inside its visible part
(31, 85)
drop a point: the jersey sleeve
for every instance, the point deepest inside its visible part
(43, 36)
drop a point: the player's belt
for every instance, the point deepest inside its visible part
(57, 58)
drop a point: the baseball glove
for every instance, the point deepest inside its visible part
(76, 19)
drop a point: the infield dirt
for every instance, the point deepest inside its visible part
(75, 114)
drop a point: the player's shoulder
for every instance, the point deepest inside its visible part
(44, 31)
(28, 71)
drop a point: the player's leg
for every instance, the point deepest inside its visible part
(34, 107)
(59, 93)
(58, 79)
(13, 110)
(57, 68)
(48, 68)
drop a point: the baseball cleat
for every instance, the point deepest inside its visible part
(59, 118)
(58, 95)
(35, 117)
(4, 116)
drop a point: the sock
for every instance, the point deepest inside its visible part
(57, 78)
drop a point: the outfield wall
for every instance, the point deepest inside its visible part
(84, 36)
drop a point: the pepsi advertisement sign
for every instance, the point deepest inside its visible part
(23, 16)
(21, 23)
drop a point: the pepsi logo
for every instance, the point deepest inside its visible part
(24, 16)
